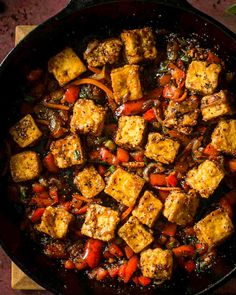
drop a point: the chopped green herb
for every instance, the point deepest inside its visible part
(111, 169)
(110, 145)
(231, 9)
(23, 193)
(163, 67)
(145, 160)
(185, 58)
(77, 154)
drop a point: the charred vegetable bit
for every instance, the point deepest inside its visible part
(119, 152)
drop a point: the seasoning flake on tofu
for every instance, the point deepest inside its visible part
(100, 223)
(223, 137)
(215, 105)
(135, 234)
(148, 209)
(202, 78)
(124, 187)
(25, 166)
(55, 222)
(161, 149)
(101, 53)
(140, 45)
(181, 207)
(126, 83)
(87, 118)
(89, 182)
(131, 130)
(25, 132)
(214, 228)
(205, 178)
(157, 264)
(67, 151)
(66, 66)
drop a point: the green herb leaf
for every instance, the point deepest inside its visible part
(231, 9)
(77, 154)
(23, 193)
(111, 169)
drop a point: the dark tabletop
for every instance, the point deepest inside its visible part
(33, 12)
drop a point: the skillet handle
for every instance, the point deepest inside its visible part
(80, 4)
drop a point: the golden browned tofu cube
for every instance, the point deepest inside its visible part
(25, 166)
(140, 45)
(25, 132)
(100, 223)
(205, 178)
(157, 264)
(98, 53)
(202, 78)
(215, 105)
(89, 182)
(66, 66)
(55, 222)
(214, 228)
(124, 187)
(67, 151)
(87, 117)
(180, 208)
(161, 149)
(126, 84)
(135, 235)
(148, 209)
(223, 137)
(131, 130)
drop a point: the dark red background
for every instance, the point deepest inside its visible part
(33, 12)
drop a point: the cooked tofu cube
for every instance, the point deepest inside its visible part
(55, 222)
(202, 78)
(215, 105)
(205, 178)
(67, 151)
(180, 208)
(87, 117)
(148, 209)
(157, 264)
(25, 166)
(66, 66)
(182, 116)
(214, 228)
(89, 182)
(126, 84)
(140, 45)
(223, 137)
(98, 53)
(131, 130)
(100, 223)
(25, 132)
(135, 235)
(161, 149)
(124, 187)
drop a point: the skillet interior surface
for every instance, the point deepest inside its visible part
(74, 28)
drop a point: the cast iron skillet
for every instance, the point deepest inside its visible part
(73, 24)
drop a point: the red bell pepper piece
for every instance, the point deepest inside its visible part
(131, 267)
(149, 115)
(71, 94)
(130, 108)
(128, 252)
(93, 252)
(157, 179)
(184, 250)
(37, 214)
(115, 250)
(189, 265)
(172, 180)
(169, 229)
(122, 155)
(144, 281)
(49, 163)
(38, 188)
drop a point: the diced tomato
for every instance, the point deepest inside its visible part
(38, 188)
(80, 264)
(165, 79)
(122, 271)
(114, 271)
(149, 115)
(169, 229)
(107, 156)
(138, 156)
(172, 180)
(49, 163)
(157, 179)
(144, 281)
(171, 92)
(101, 273)
(54, 195)
(131, 267)
(130, 108)
(184, 250)
(122, 155)
(210, 151)
(102, 169)
(225, 204)
(71, 94)
(189, 265)
(128, 252)
(115, 250)
(93, 252)
(69, 264)
(163, 195)
(38, 213)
